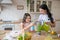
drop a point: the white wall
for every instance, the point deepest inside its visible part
(56, 9)
(56, 13)
(10, 12)
(57, 28)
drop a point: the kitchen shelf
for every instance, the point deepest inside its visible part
(9, 22)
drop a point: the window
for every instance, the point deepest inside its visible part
(49, 5)
(34, 5)
(37, 5)
(31, 5)
(44, 2)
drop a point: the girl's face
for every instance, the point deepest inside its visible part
(42, 11)
(28, 19)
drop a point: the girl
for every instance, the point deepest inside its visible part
(46, 16)
(26, 23)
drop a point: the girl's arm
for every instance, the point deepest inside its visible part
(25, 28)
(31, 24)
(21, 26)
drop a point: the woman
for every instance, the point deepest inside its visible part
(46, 16)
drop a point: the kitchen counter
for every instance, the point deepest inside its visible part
(35, 36)
(9, 22)
(42, 37)
(2, 33)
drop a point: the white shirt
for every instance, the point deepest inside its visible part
(43, 18)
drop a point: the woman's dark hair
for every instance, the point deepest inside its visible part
(44, 6)
(25, 16)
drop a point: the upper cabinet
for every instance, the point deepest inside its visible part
(6, 2)
(33, 6)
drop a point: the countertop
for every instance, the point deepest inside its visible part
(34, 35)
(2, 33)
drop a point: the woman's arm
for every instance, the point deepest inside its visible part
(51, 24)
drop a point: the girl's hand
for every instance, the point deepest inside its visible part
(22, 31)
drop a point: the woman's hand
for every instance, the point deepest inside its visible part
(51, 24)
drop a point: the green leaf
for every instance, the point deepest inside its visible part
(39, 28)
(46, 27)
(20, 37)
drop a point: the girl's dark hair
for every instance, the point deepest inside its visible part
(25, 16)
(44, 6)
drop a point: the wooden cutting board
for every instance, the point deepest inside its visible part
(38, 37)
(41, 37)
